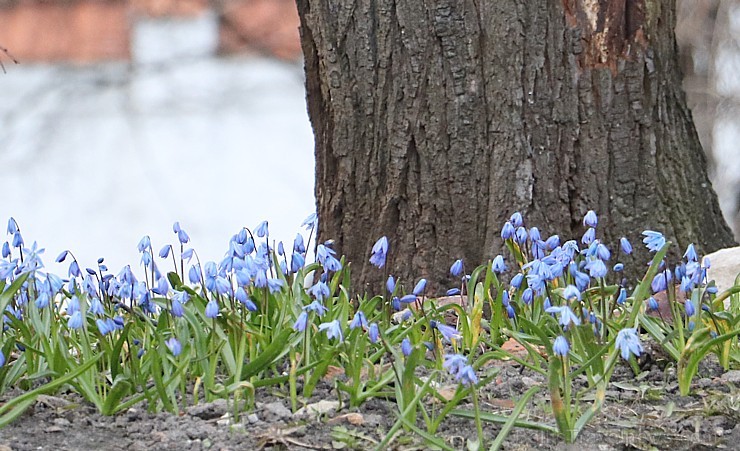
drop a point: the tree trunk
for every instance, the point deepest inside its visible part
(434, 120)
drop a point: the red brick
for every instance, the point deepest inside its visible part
(264, 26)
(78, 31)
(169, 8)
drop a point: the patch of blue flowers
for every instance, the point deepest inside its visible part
(226, 328)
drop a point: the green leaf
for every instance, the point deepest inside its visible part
(511, 422)
(17, 405)
(121, 387)
(276, 349)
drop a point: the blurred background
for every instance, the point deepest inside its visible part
(127, 115)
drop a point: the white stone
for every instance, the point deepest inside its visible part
(724, 267)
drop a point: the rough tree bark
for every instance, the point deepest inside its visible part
(434, 120)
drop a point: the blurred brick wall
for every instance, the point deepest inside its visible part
(264, 26)
(100, 30)
(80, 31)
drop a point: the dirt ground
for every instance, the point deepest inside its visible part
(642, 413)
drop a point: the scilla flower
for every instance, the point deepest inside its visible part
(301, 322)
(561, 346)
(359, 320)
(498, 265)
(173, 344)
(625, 245)
(212, 309)
(406, 347)
(571, 292)
(590, 219)
(390, 284)
(333, 329)
(380, 252)
(456, 268)
(628, 343)
(654, 241)
(567, 317)
(373, 333)
(448, 332)
(420, 286)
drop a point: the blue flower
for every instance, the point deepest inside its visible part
(297, 262)
(396, 303)
(102, 326)
(628, 343)
(6, 250)
(359, 320)
(333, 329)
(625, 245)
(420, 286)
(456, 268)
(261, 229)
(596, 268)
(96, 307)
(510, 312)
(507, 231)
(379, 252)
(301, 322)
(527, 296)
(653, 240)
(589, 236)
(552, 242)
(453, 292)
(690, 253)
(689, 307)
(310, 222)
(448, 332)
(2, 358)
(212, 309)
(516, 219)
(406, 347)
(144, 244)
(12, 226)
(407, 299)
(467, 376)
(165, 251)
(498, 265)
(561, 346)
(516, 281)
(571, 292)
(173, 344)
(590, 219)
(534, 234)
(619, 267)
(660, 281)
(454, 363)
(177, 309)
(75, 320)
(622, 296)
(567, 317)
(194, 274)
(275, 284)
(299, 245)
(521, 236)
(652, 304)
(320, 291)
(317, 308)
(373, 333)
(332, 264)
(390, 285)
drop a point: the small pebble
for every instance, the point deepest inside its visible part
(253, 418)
